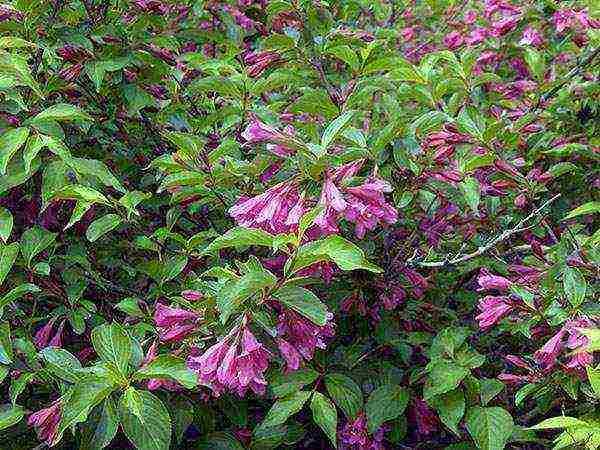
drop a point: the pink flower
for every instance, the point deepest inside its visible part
(546, 356)
(487, 281)
(302, 335)
(505, 25)
(192, 296)
(276, 210)
(453, 40)
(236, 363)
(492, 310)
(531, 36)
(42, 337)
(259, 62)
(46, 421)
(290, 354)
(174, 324)
(367, 206)
(477, 36)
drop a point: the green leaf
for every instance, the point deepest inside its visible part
(469, 121)
(18, 385)
(303, 302)
(333, 248)
(130, 201)
(283, 408)
(6, 224)
(8, 255)
(34, 241)
(83, 397)
(6, 349)
(489, 389)
(10, 415)
(325, 415)
(451, 408)
(289, 383)
(148, 428)
(101, 226)
(587, 208)
(14, 42)
(10, 142)
(240, 236)
(335, 128)
(113, 345)
(80, 192)
(106, 427)
(385, 403)
(63, 112)
(574, 285)
(471, 191)
(174, 267)
(489, 427)
(16, 293)
(594, 379)
(61, 363)
(98, 170)
(219, 441)
(235, 292)
(169, 367)
(559, 422)
(345, 393)
(444, 376)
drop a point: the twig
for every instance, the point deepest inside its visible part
(491, 244)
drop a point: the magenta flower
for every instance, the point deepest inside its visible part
(546, 356)
(46, 421)
(488, 281)
(236, 363)
(42, 337)
(259, 62)
(192, 296)
(174, 324)
(367, 206)
(273, 211)
(492, 310)
(531, 36)
(453, 40)
(424, 417)
(301, 335)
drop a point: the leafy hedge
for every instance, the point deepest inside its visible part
(353, 224)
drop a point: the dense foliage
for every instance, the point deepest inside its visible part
(353, 224)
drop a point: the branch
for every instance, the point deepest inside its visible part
(481, 250)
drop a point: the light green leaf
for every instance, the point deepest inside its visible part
(62, 112)
(169, 367)
(101, 226)
(10, 142)
(106, 427)
(471, 191)
(8, 255)
(80, 192)
(61, 363)
(587, 208)
(335, 128)
(489, 427)
(283, 408)
(10, 415)
(240, 236)
(6, 349)
(444, 376)
(288, 383)
(451, 408)
(303, 302)
(325, 415)
(344, 253)
(6, 224)
(559, 422)
(113, 345)
(574, 285)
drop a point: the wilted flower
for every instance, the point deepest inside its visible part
(259, 62)
(46, 421)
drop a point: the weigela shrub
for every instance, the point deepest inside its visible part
(353, 224)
